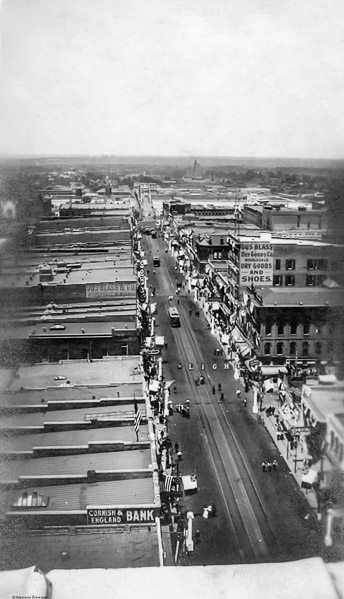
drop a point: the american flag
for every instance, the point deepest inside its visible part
(168, 482)
(137, 418)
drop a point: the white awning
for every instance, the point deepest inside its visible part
(154, 386)
(160, 341)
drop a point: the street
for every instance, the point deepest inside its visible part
(260, 515)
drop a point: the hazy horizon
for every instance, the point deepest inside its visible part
(250, 78)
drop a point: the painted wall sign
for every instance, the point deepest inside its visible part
(101, 516)
(114, 289)
(256, 263)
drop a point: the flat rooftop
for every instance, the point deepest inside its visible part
(300, 296)
(114, 434)
(109, 548)
(80, 329)
(326, 400)
(118, 370)
(111, 413)
(76, 497)
(111, 274)
(12, 470)
(117, 392)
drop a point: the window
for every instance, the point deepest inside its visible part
(105, 351)
(124, 350)
(305, 348)
(280, 328)
(221, 241)
(310, 280)
(277, 280)
(278, 264)
(317, 348)
(292, 349)
(267, 348)
(290, 264)
(268, 326)
(298, 221)
(279, 348)
(217, 255)
(320, 264)
(293, 327)
(306, 328)
(290, 280)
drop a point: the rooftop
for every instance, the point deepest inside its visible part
(121, 391)
(325, 400)
(113, 434)
(85, 414)
(76, 497)
(12, 470)
(300, 296)
(112, 372)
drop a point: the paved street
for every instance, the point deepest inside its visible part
(261, 516)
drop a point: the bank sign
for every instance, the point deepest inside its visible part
(256, 264)
(105, 290)
(101, 516)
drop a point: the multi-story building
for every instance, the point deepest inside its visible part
(299, 219)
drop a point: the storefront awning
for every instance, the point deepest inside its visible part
(244, 349)
(154, 386)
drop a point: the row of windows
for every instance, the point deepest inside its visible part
(312, 264)
(281, 348)
(289, 280)
(281, 328)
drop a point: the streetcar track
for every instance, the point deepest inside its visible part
(259, 547)
(244, 484)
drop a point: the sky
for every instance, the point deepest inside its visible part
(254, 78)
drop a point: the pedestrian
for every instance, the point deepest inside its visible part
(187, 401)
(190, 312)
(274, 464)
(238, 393)
(245, 401)
(214, 390)
(177, 301)
(175, 389)
(222, 397)
(176, 447)
(197, 536)
(264, 464)
(219, 387)
(179, 455)
(269, 464)
(166, 345)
